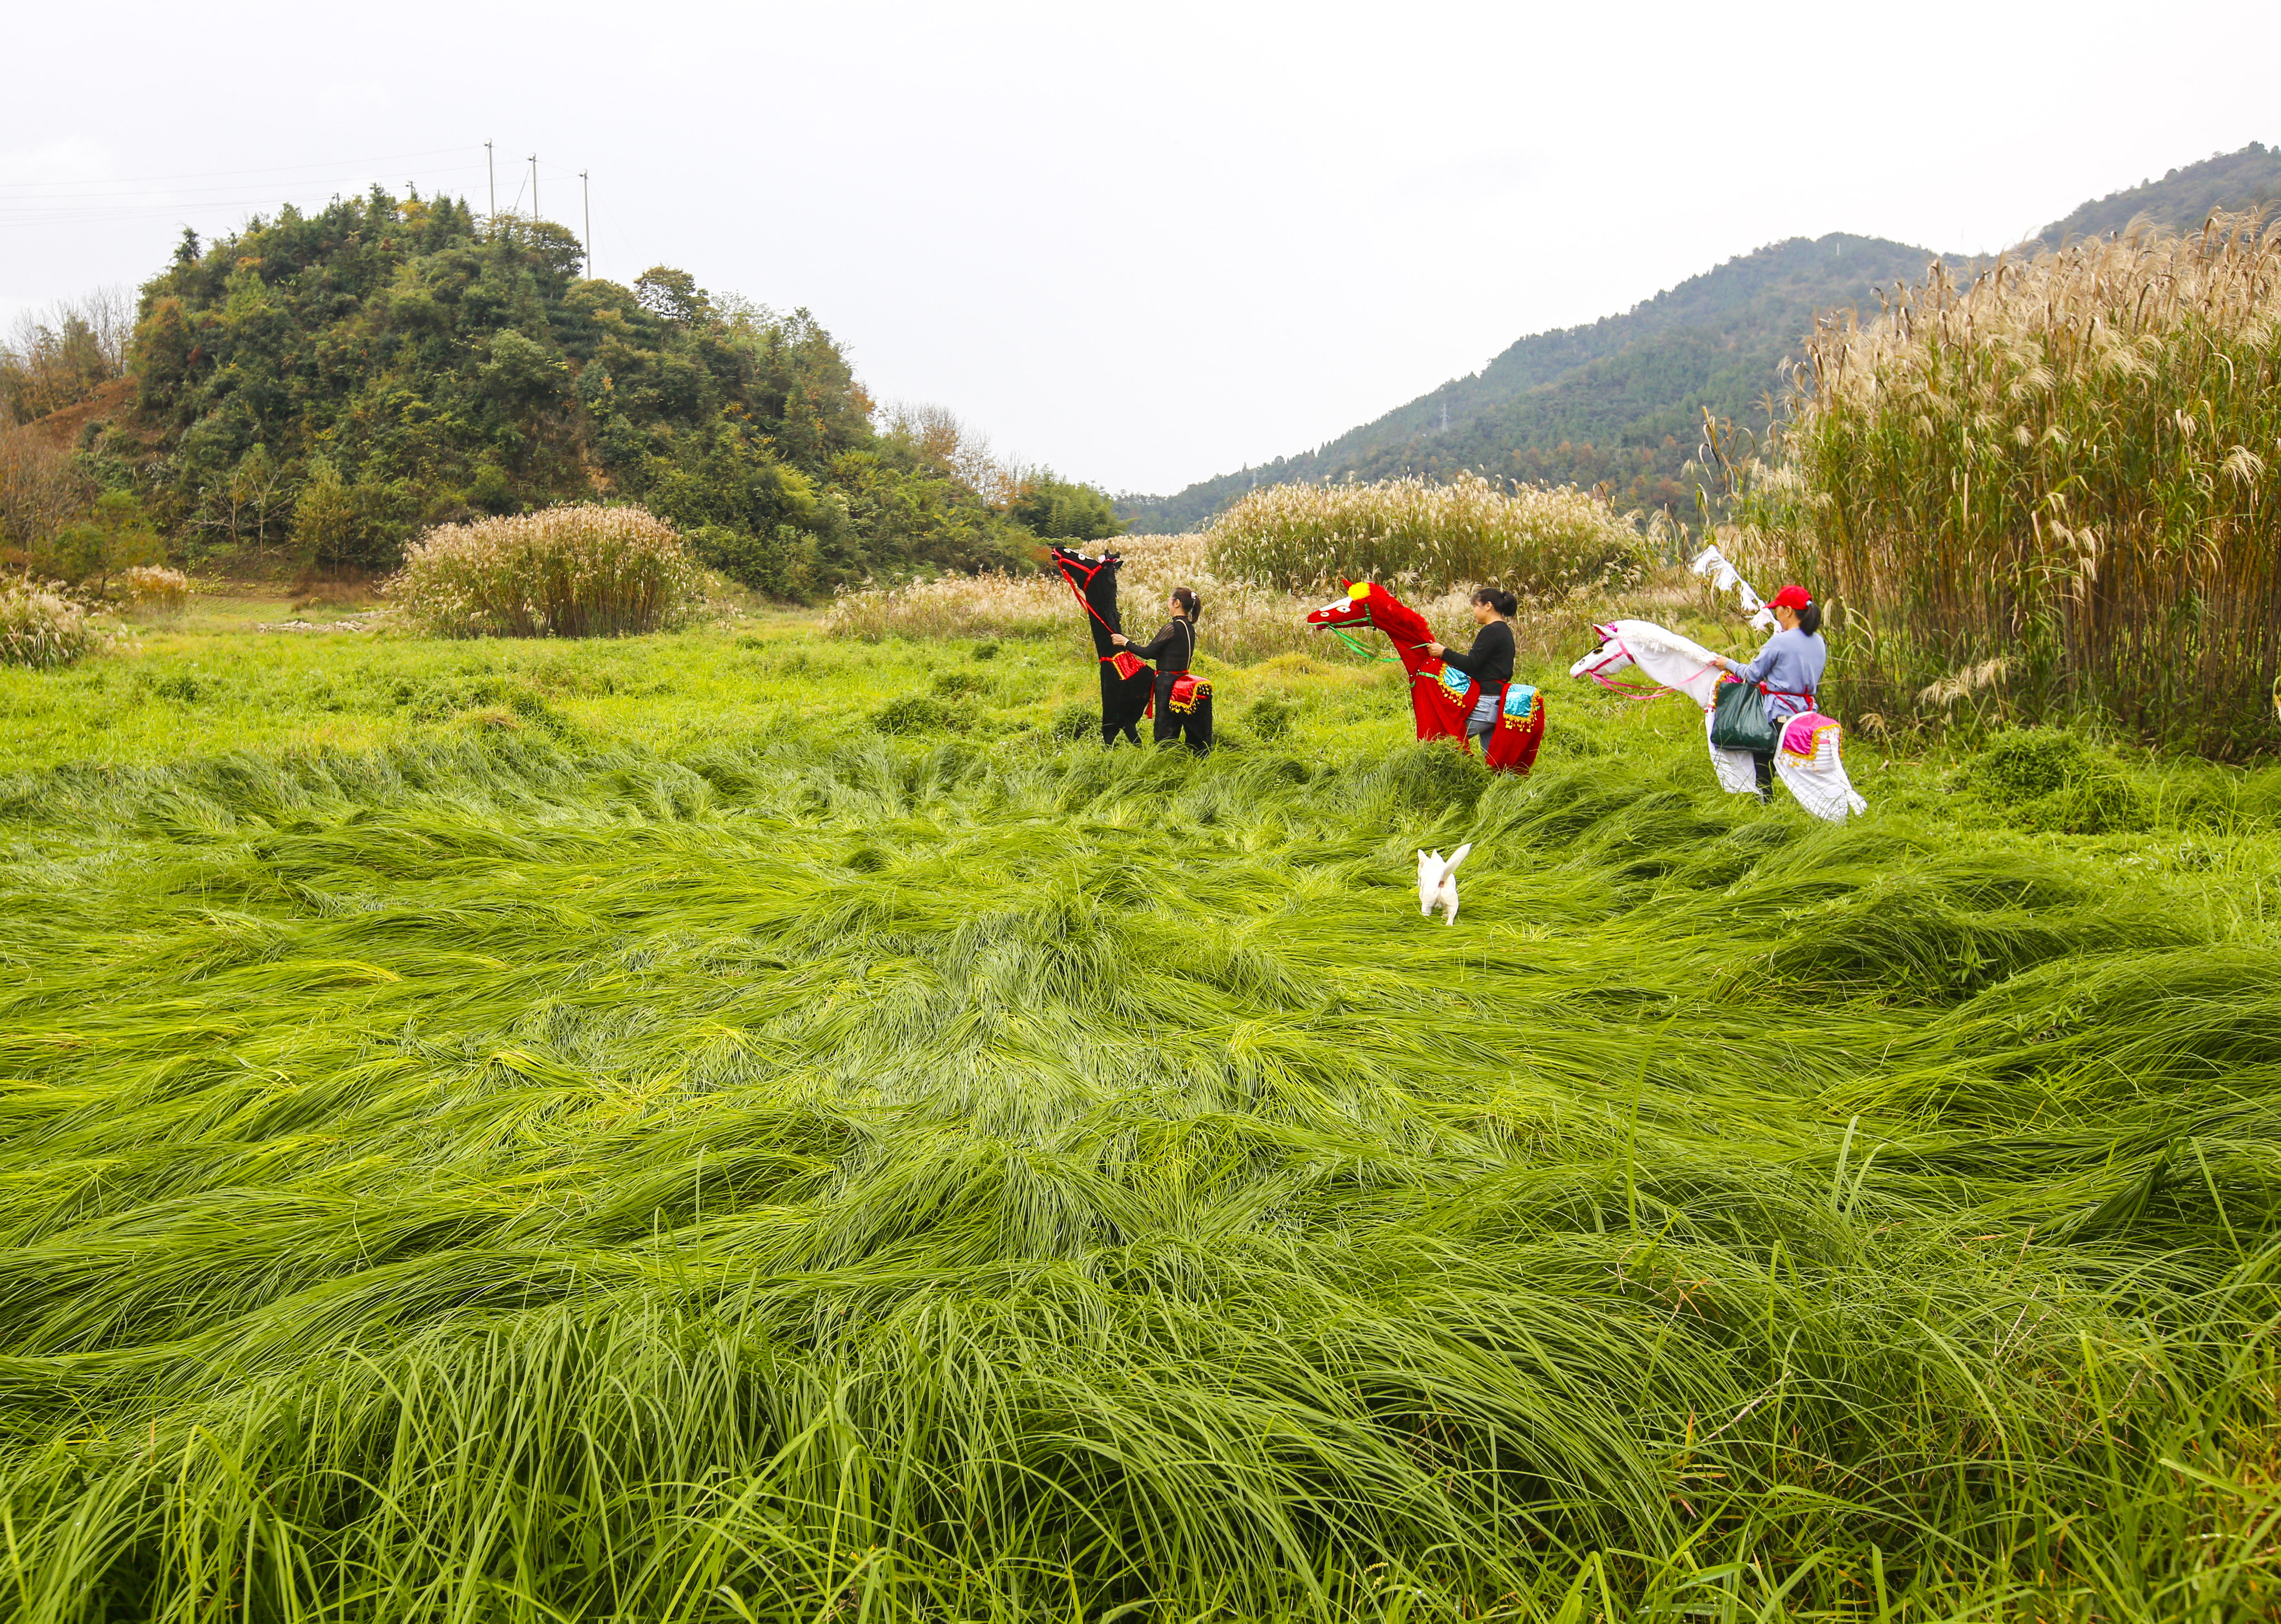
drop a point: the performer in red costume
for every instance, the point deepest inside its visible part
(1442, 697)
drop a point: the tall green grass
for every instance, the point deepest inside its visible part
(528, 1174)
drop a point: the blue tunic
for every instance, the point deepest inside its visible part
(1789, 667)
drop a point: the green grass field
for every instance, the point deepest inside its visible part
(604, 1132)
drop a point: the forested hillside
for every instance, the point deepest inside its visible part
(319, 388)
(1620, 401)
(2181, 200)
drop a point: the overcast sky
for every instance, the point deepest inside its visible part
(1143, 243)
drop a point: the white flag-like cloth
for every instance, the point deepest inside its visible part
(1716, 568)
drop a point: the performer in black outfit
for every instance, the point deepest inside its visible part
(1489, 661)
(1183, 700)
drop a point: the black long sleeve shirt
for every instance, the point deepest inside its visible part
(1176, 646)
(1489, 661)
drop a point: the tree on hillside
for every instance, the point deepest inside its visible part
(60, 357)
(1060, 510)
(383, 365)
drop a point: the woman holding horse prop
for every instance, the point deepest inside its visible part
(1489, 661)
(1183, 699)
(1444, 697)
(1803, 745)
(1788, 671)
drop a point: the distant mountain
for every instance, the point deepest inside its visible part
(2181, 200)
(1619, 402)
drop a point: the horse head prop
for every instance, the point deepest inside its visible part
(1442, 697)
(1670, 663)
(1127, 684)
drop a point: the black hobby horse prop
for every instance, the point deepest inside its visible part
(1126, 684)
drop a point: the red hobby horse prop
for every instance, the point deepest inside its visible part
(1442, 696)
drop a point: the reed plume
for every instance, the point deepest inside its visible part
(2067, 465)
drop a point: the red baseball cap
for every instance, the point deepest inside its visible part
(1791, 597)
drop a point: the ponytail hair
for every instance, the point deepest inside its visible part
(1499, 599)
(1189, 602)
(1809, 619)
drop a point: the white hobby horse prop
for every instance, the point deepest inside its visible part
(1437, 883)
(1806, 757)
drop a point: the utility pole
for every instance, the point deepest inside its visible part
(586, 197)
(534, 186)
(492, 169)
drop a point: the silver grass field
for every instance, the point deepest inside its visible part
(605, 1131)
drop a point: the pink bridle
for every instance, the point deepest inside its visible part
(1630, 691)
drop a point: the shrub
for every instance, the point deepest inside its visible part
(42, 628)
(1532, 540)
(579, 570)
(2049, 779)
(918, 713)
(155, 590)
(1269, 718)
(2066, 466)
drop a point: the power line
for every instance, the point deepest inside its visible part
(204, 175)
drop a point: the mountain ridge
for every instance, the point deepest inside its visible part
(1618, 402)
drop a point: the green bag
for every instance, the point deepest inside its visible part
(1738, 719)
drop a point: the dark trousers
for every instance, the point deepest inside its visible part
(1111, 732)
(1765, 764)
(1194, 728)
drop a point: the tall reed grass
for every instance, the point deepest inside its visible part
(43, 627)
(1431, 536)
(2073, 466)
(578, 570)
(154, 591)
(1242, 622)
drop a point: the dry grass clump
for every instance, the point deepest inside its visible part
(154, 591)
(1242, 622)
(1528, 538)
(41, 628)
(575, 571)
(2072, 465)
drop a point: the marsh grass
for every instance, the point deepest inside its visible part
(578, 570)
(497, 1173)
(1243, 622)
(42, 627)
(1433, 536)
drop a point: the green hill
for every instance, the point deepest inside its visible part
(1619, 402)
(413, 364)
(2181, 200)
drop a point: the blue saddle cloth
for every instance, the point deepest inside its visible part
(1518, 701)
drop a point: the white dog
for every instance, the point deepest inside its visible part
(1437, 882)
